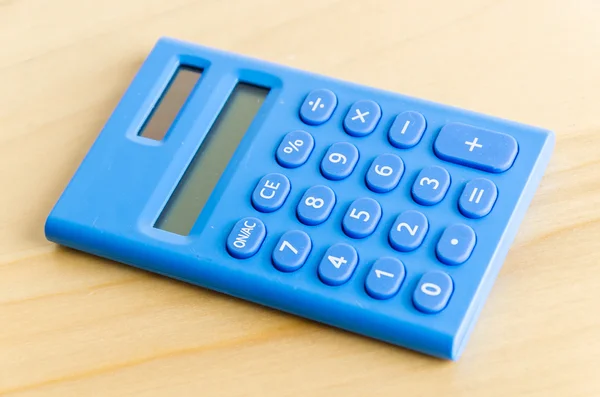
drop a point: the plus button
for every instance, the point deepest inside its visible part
(473, 144)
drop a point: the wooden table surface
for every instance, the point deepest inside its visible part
(75, 325)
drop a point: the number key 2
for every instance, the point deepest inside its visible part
(408, 231)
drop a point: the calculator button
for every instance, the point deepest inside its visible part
(338, 264)
(294, 149)
(384, 173)
(478, 198)
(291, 251)
(431, 185)
(318, 106)
(456, 244)
(316, 205)
(271, 192)
(475, 147)
(246, 237)
(408, 231)
(362, 118)
(361, 218)
(433, 292)
(407, 129)
(339, 161)
(384, 278)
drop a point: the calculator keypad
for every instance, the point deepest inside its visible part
(295, 149)
(456, 244)
(431, 185)
(362, 118)
(384, 173)
(433, 292)
(316, 205)
(362, 217)
(384, 278)
(338, 264)
(271, 192)
(291, 251)
(339, 161)
(478, 198)
(407, 129)
(457, 143)
(246, 238)
(318, 106)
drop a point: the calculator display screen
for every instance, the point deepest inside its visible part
(196, 185)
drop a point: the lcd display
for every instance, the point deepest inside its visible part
(170, 104)
(203, 173)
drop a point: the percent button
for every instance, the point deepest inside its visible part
(295, 149)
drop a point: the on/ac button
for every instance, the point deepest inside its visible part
(246, 238)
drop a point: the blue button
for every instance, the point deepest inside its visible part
(271, 192)
(385, 173)
(384, 278)
(456, 244)
(362, 118)
(479, 148)
(407, 129)
(408, 231)
(478, 198)
(294, 149)
(338, 264)
(246, 237)
(316, 205)
(291, 251)
(339, 161)
(433, 292)
(361, 218)
(431, 185)
(318, 106)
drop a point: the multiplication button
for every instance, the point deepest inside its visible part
(362, 118)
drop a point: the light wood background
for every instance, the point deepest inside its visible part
(75, 325)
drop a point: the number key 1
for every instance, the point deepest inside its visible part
(384, 278)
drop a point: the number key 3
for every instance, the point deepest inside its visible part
(316, 205)
(431, 185)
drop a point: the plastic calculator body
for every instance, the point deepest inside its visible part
(370, 211)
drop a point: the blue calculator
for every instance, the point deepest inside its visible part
(367, 210)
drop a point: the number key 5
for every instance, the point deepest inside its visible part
(361, 218)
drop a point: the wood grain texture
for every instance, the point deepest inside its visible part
(75, 325)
